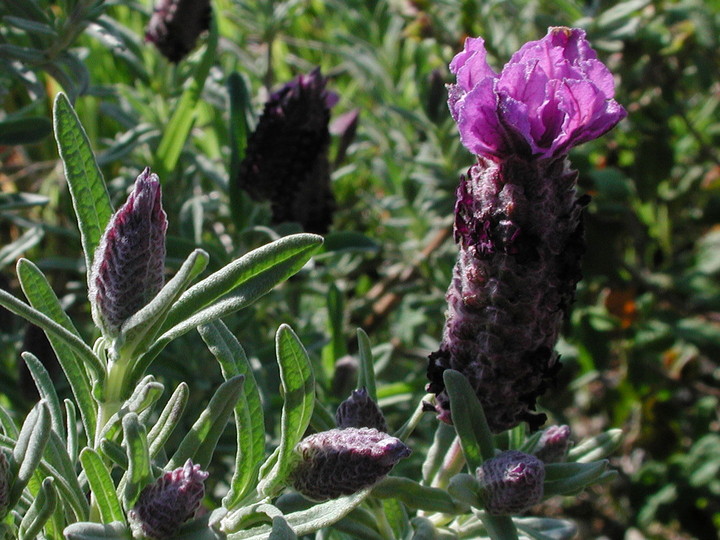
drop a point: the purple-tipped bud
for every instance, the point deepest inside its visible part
(286, 160)
(512, 482)
(554, 444)
(359, 410)
(4, 483)
(344, 461)
(176, 25)
(170, 501)
(128, 269)
(518, 220)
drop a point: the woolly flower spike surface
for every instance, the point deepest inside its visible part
(286, 161)
(166, 504)
(512, 482)
(552, 95)
(359, 410)
(128, 268)
(344, 461)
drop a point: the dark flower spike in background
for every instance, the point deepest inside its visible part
(170, 501)
(511, 482)
(344, 461)
(175, 26)
(4, 483)
(518, 218)
(128, 268)
(286, 160)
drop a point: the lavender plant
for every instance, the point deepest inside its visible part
(115, 473)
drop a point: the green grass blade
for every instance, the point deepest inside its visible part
(298, 385)
(249, 418)
(87, 187)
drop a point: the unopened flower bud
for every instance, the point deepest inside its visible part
(359, 410)
(554, 444)
(512, 482)
(344, 461)
(166, 504)
(128, 269)
(176, 24)
(286, 160)
(4, 483)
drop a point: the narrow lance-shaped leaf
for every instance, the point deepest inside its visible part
(29, 449)
(102, 486)
(298, 385)
(366, 374)
(200, 442)
(39, 512)
(249, 418)
(139, 473)
(46, 389)
(87, 187)
(97, 531)
(168, 419)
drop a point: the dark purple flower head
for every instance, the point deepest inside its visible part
(554, 444)
(286, 160)
(359, 410)
(170, 501)
(512, 482)
(4, 483)
(552, 95)
(128, 268)
(176, 24)
(344, 461)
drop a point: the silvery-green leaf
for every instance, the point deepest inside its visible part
(39, 512)
(598, 447)
(546, 528)
(29, 448)
(97, 531)
(417, 496)
(168, 419)
(139, 472)
(46, 389)
(102, 486)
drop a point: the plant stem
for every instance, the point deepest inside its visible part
(499, 527)
(452, 464)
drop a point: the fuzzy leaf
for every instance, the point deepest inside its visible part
(139, 472)
(97, 531)
(39, 512)
(168, 419)
(102, 486)
(29, 448)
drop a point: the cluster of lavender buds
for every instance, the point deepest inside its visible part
(553, 445)
(518, 218)
(296, 178)
(511, 482)
(344, 461)
(167, 503)
(175, 26)
(129, 263)
(353, 457)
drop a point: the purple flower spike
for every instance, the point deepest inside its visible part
(554, 444)
(344, 461)
(552, 95)
(175, 26)
(128, 269)
(166, 504)
(286, 160)
(512, 482)
(359, 410)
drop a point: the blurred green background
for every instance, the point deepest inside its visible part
(641, 350)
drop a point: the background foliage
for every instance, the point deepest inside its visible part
(641, 349)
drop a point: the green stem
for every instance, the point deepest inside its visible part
(404, 432)
(384, 527)
(452, 464)
(499, 527)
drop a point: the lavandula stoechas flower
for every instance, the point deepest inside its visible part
(167, 503)
(360, 410)
(512, 482)
(344, 461)
(128, 268)
(518, 217)
(175, 26)
(553, 445)
(286, 160)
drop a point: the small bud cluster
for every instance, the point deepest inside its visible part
(129, 263)
(166, 504)
(344, 461)
(360, 410)
(176, 24)
(512, 482)
(554, 444)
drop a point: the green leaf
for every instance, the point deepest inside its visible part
(281, 530)
(571, 478)
(298, 387)
(46, 388)
(42, 297)
(87, 187)
(97, 531)
(72, 435)
(39, 512)
(9, 253)
(469, 420)
(140, 329)
(57, 458)
(29, 448)
(598, 447)
(183, 118)
(168, 419)
(102, 486)
(232, 288)
(417, 496)
(147, 392)
(200, 442)
(366, 372)
(139, 472)
(546, 528)
(337, 348)
(249, 417)
(13, 201)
